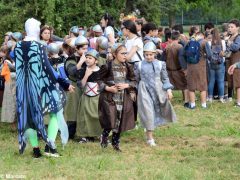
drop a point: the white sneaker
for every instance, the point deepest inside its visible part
(151, 142)
(210, 100)
(222, 100)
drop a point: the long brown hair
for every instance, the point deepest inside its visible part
(216, 38)
(43, 29)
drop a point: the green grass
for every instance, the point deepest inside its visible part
(203, 144)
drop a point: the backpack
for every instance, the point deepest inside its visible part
(192, 52)
(216, 58)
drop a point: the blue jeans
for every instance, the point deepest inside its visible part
(216, 73)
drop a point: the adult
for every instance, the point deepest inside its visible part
(45, 34)
(107, 23)
(37, 93)
(133, 42)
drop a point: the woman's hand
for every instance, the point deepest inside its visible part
(231, 69)
(122, 86)
(112, 89)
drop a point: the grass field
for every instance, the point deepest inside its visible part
(203, 144)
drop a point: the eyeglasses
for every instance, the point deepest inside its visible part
(124, 53)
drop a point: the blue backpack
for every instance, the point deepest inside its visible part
(216, 58)
(192, 52)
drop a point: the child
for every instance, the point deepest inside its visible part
(154, 92)
(57, 63)
(102, 48)
(216, 68)
(97, 32)
(196, 73)
(176, 65)
(116, 110)
(72, 66)
(233, 46)
(8, 113)
(231, 71)
(55, 60)
(88, 125)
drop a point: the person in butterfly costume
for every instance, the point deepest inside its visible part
(36, 91)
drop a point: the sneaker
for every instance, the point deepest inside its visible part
(83, 140)
(103, 141)
(90, 139)
(210, 100)
(230, 99)
(22, 147)
(190, 107)
(51, 152)
(116, 148)
(151, 142)
(186, 104)
(237, 105)
(222, 100)
(36, 152)
(216, 97)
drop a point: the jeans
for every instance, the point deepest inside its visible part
(216, 73)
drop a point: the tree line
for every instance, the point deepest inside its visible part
(62, 14)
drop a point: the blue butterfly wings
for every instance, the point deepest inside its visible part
(37, 93)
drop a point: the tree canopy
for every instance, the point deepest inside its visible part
(62, 14)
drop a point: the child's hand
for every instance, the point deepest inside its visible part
(83, 58)
(122, 86)
(133, 97)
(169, 94)
(71, 88)
(231, 69)
(112, 89)
(81, 61)
(229, 42)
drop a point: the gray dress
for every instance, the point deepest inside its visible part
(153, 106)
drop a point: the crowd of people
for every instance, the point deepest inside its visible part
(96, 81)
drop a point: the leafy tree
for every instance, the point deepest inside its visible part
(62, 14)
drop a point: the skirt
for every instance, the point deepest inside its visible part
(8, 113)
(71, 107)
(88, 124)
(197, 76)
